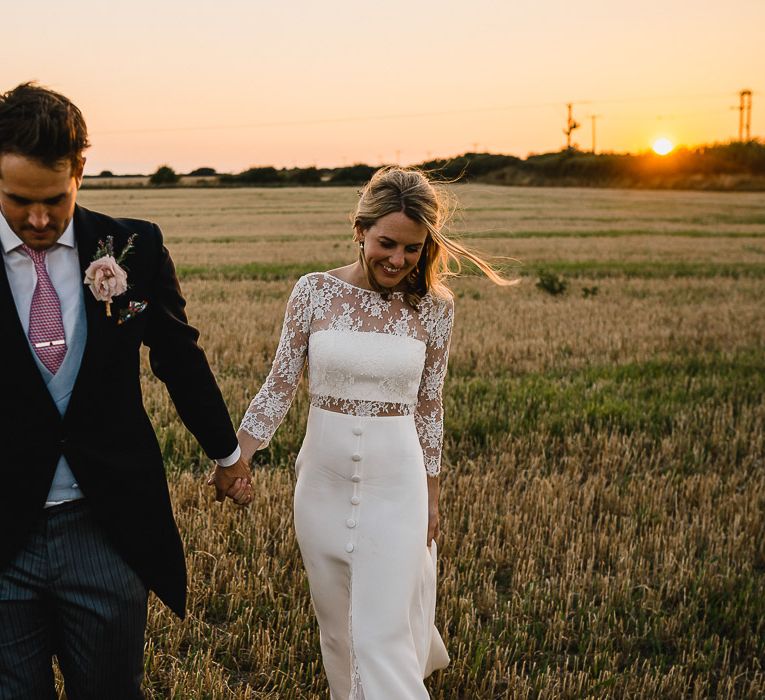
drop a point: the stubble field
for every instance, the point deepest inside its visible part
(604, 479)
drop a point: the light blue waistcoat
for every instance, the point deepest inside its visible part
(64, 486)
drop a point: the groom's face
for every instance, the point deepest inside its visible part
(37, 200)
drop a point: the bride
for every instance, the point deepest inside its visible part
(375, 335)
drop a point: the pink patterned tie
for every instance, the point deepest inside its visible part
(46, 328)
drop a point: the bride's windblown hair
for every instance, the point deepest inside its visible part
(408, 190)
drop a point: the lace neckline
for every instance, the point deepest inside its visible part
(354, 286)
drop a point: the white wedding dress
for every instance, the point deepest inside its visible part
(376, 369)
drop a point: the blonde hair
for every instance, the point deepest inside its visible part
(408, 190)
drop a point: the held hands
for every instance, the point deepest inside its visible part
(234, 481)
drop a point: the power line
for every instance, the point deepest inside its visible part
(332, 120)
(414, 115)
(668, 117)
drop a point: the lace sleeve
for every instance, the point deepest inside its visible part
(429, 416)
(270, 405)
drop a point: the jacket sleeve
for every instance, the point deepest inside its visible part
(177, 360)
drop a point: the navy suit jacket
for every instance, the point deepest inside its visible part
(105, 434)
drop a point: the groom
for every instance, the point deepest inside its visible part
(86, 526)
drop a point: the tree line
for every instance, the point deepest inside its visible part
(742, 163)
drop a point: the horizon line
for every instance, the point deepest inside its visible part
(530, 154)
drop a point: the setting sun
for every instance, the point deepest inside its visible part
(663, 146)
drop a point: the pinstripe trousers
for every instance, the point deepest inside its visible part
(69, 593)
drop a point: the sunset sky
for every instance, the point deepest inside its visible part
(236, 83)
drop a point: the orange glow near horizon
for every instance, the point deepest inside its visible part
(332, 84)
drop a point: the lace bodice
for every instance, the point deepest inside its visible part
(367, 356)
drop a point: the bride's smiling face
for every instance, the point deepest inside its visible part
(392, 247)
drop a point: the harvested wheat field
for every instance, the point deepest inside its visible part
(603, 490)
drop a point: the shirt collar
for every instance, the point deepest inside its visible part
(11, 241)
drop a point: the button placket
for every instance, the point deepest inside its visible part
(352, 521)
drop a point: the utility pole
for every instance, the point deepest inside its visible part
(594, 117)
(570, 125)
(745, 115)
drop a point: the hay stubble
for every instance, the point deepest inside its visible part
(603, 485)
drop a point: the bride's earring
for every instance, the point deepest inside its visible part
(361, 244)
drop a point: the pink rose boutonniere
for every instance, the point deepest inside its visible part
(104, 275)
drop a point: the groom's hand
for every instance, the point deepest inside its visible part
(234, 481)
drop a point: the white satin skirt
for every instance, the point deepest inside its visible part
(361, 518)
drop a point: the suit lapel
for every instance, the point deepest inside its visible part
(87, 235)
(99, 326)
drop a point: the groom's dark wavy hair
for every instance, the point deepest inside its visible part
(42, 125)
